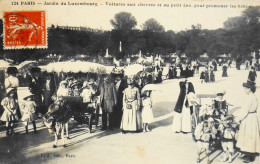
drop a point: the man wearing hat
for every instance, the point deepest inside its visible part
(108, 100)
(248, 137)
(36, 87)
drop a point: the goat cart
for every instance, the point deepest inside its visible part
(84, 113)
(211, 125)
(205, 111)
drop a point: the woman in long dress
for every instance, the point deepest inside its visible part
(248, 139)
(183, 108)
(224, 73)
(131, 119)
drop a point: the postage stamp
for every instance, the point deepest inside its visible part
(24, 29)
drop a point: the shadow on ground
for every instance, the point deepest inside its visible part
(28, 148)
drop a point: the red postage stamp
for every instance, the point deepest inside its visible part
(25, 29)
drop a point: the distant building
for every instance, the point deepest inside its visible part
(75, 28)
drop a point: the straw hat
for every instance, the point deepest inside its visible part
(221, 93)
(9, 90)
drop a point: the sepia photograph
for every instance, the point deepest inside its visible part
(129, 81)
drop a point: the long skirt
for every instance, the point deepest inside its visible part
(248, 138)
(131, 119)
(147, 115)
(182, 121)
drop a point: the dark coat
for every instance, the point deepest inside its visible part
(252, 75)
(48, 91)
(224, 73)
(212, 76)
(119, 95)
(108, 97)
(36, 87)
(180, 101)
(119, 105)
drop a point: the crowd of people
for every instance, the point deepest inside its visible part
(124, 104)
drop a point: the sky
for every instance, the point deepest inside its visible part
(172, 18)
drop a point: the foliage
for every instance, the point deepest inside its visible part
(152, 25)
(239, 36)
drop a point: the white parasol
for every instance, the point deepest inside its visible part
(75, 66)
(132, 70)
(149, 87)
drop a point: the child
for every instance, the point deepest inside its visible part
(220, 105)
(203, 135)
(28, 107)
(76, 90)
(147, 114)
(228, 138)
(10, 105)
(63, 90)
(252, 74)
(87, 93)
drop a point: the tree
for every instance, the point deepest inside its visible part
(152, 25)
(233, 23)
(252, 15)
(123, 21)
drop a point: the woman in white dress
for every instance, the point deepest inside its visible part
(131, 119)
(183, 108)
(248, 138)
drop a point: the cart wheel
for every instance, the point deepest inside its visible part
(193, 125)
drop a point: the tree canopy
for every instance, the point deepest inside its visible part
(123, 21)
(152, 25)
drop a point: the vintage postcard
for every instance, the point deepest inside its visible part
(129, 81)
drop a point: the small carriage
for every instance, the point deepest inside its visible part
(81, 112)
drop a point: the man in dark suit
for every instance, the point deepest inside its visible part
(36, 88)
(120, 87)
(49, 89)
(108, 99)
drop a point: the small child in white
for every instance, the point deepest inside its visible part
(228, 138)
(28, 107)
(203, 135)
(147, 115)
